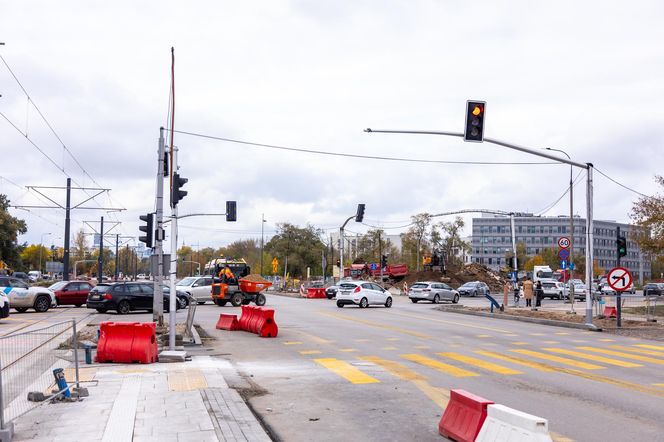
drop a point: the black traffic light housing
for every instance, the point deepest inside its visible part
(383, 261)
(176, 193)
(148, 228)
(621, 244)
(359, 216)
(474, 128)
(231, 211)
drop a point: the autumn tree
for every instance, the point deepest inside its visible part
(521, 254)
(34, 255)
(449, 239)
(10, 228)
(648, 214)
(297, 248)
(415, 239)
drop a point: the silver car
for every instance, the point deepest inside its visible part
(22, 296)
(199, 287)
(432, 291)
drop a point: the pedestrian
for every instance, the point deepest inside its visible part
(507, 288)
(528, 292)
(539, 294)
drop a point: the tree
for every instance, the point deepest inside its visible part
(536, 260)
(450, 240)
(415, 236)
(33, 254)
(550, 257)
(648, 214)
(10, 228)
(521, 254)
(297, 248)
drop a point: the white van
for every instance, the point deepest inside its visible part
(34, 275)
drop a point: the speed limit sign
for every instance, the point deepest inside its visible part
(563, 242)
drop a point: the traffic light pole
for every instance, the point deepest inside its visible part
(618, 292)
(172, 307)
(589, 198)
(158, 299)
(341, 247)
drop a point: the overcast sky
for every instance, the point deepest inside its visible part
(585, 77)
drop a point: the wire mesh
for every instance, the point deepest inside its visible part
(635, 307)
(27, 361)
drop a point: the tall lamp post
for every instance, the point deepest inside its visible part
(262, 239)
(41, 246)
(571, 226)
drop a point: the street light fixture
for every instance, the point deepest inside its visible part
(571, 226)
(41, 246)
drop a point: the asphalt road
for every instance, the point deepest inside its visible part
(385, 374)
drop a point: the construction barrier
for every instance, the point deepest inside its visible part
(258, 320)
(464, 416)
(303, 293)
(610, 312)
(505, 424)
(127, 342)
(227, 322)
(315, 293)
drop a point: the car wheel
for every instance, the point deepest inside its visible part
(474, 293)
(78, 305)
(456, 299)
(202, 302)
(364, 303)
(436, 299)
(42, 304)
(340, 304)
(388, 302)
(219, 302)
(101, 310)
(414, 301)
(182, 303)
(260, 299)
(236, 299)
(124, 308)
(21, 309)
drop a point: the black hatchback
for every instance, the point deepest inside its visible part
(123, 297)
(653, 288)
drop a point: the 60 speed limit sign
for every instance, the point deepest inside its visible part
(563, 242)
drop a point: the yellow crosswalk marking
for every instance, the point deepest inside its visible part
(393, 339)
(593, 357)
(537, 334)
(310, 352)
(561, 333)
(520, 343)
(639, 350)
(579, 341)
(607, 340)
(293, 343)
(440, 366)
(624, 355)
(378, 325)
(390, 348)
(555, 437)
(551, 342)
(536, 365)
(348, 350)
(483, 336)
(659, 385)
(421, 347)
(490, 366)
(511, 335)
(558, 359)
(346, 371)
(654, 347)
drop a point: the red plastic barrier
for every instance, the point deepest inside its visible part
(258, 320)
(464, 416)
(244, 318)
(610, 312)
(267, 327)
(315, 292)
(127, 342)
(227, 322)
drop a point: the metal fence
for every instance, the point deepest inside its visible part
(634, 307)
(27, 361)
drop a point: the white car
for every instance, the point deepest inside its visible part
(362, 293)
(4, 305)
(198, 287)
(607, 290)
(22, 296)
(552, 289)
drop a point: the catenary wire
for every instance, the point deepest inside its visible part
(622, 185)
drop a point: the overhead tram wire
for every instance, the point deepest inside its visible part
(552, 205)
(366, 157)
(622, 185)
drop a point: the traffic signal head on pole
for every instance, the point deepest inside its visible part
(176, 193)
(474, 128)
(621, 243)
(359, 216)
(148, 228)
(231, 210)
(383, 261)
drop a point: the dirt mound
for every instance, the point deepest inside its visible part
(457, 276)
(254, 278)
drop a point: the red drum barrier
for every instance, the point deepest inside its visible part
(125, 343)
(610, 312)
(464, 416)
(258, 320)
(227, 322)
(316, 292)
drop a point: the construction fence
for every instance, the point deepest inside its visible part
(27, 361)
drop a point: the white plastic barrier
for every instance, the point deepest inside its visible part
(504, 424)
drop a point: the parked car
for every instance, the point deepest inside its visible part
(653, 288)
(34, 275)
(22, 296)
(432, 291)
(362, 293)
(71, 292)
(21, 275)
(4, 305)
(199, 287)
(607, 290)
(331, 291)
(123, 297)
(474, 288)
(553, 289)
(182, 297)
(580, 291)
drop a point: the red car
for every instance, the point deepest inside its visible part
(71, 292)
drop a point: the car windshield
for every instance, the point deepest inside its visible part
(348, 285)
(57, 286)
(469, 285)
(187, 281)
(420, 285)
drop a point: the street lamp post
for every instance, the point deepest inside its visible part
(571, 228)
(41, 246)
(262, 239)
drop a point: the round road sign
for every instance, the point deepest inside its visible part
(563, 242)
(563, 254)
(619, 279)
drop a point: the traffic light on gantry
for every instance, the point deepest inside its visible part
(176, 193)
(148, 228)
(359, 216)
(474, 129)
(231, 211)
(621, 244)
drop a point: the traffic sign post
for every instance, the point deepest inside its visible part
(563, 264)
(619, 279)
(563, 242)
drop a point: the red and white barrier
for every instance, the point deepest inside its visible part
(504, 424)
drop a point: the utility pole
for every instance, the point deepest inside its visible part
(65, 259)
(100, 259)
(262, 239)
(117, 256)
(127, 271)
(158, 300)
(380, 255)
(172, 307)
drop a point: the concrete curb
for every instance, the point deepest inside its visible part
(551, 322)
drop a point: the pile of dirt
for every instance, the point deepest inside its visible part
(255, 278)
(457, 276)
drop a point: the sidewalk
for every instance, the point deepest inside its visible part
(175, 402)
